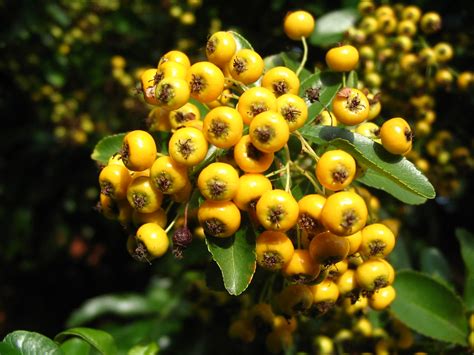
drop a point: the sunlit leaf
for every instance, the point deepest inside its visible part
(429, 307)
(98, 339)
(32, 343)
(107, 147)
(235, 257)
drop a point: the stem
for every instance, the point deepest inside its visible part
(310, 178)
(306, 146)
(454, 72)
(169, 207)
(238, 83)
(288, 176)
(339, 348)
(343, 79)
(186, 215)
(276, 172)
(423, 42)
(171, 224)
(305, 56)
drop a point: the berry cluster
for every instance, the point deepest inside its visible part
(403, 60)
(324, 247)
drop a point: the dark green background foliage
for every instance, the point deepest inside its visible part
(56, 251)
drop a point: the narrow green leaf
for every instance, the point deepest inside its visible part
(433, 263)
(241, 41)
(429, 307)
(391, 173)
(100, 340)
(75, 346)
(326, 84)
(352, 79)
(236, 257)
(148, 349)
(331, 27)
(126, 305)
(7, 349)
(466, 239)
(31, 343)
(107, 147)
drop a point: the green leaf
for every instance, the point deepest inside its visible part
(328, 84)
(429, 307)
(375, 319)
(76, 346)
(373, 179)
(55, 78)
(273, 61)
(31, 343)
(138, 331)
(469, 292)
(241, 41)
(382, 170)
(466, 239)
(148, 349)
(7, 349)
(433, 263)
(107, 147)
(291, 60)
(331, 27)
(294, 146)
(100, 340)
(352, 79)
(126, 305)
(211, 154)
(236, 257)
(58, 14)
(399, 257)
(203, 109)
(302, 189)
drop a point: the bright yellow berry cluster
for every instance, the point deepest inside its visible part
(400, 62)
(227, 121)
